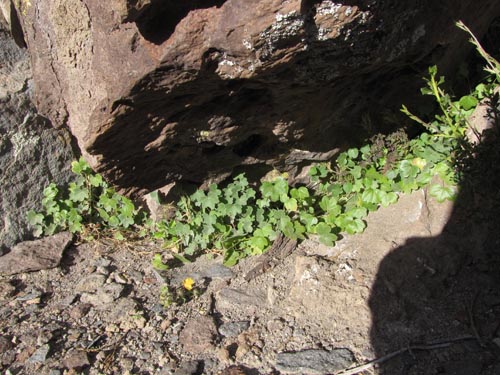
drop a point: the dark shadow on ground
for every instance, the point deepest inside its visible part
(448, 286)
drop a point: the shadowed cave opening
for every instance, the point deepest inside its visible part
(159, 20)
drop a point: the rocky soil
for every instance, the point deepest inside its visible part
(419, 281)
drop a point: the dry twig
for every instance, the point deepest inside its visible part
(429, 346)
(470, 311)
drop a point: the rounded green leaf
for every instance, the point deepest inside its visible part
(442, 193)
(388, 198)
(34, 218)
(291, 204)
(353, 153)
(468, 102)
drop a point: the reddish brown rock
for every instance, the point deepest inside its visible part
(36, 255)
(156, 91)
(198, 335)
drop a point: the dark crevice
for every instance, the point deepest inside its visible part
(158, 21)
(248, 146)
(211, 149)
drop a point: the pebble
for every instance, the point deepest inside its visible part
(218, 271)
(103, 296)
(29, 297)
(166, 323)
(76, 359)
(5, 344)
(7, 290)
(188, 368)
(103, 262)
(79, 311)
(127, 364)
(229, 299)
(40, 355)
(233, 329)
(199, 334)
(91, 283)
(102, 270)
(120, 278)
(44, 337)
(68, 300)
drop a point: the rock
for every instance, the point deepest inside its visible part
(199, 334)
(233, 329)
(188, 368)
(79, 311)
(208, 86)
(40, 355)
(5, 344)
(91, 283)
(76, 359)
(35, 255)
(122, 309)
(120, 278)
(314, 361)
(496, 341)
(228, 298)
(235, 370)
(7, 290)
(34, 295)
(103, 296)
(45, 336)
(217, 271)
(135, 320)
(26, 140)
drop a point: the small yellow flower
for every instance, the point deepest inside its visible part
(188, 283)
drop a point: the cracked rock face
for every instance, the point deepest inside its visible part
(32, 152)
(157, 91)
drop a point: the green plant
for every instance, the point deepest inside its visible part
(158, 264)
(451, 123)
(87, 200)
(492, 65)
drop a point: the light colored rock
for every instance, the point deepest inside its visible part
(91, 283)
(228, 298)
(314, 361)
(40, 355)
(233, 329)
(103, 296)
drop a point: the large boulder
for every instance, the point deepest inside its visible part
(32, 152)
(160, 90)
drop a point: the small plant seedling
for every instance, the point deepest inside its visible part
(87, 200)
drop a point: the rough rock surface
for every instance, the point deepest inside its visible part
(32, 152)
(35, 255)
(156, 91)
